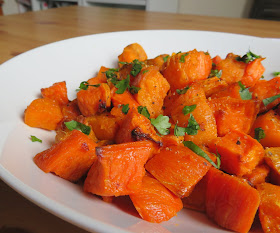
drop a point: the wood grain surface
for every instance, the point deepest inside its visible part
(20, 33)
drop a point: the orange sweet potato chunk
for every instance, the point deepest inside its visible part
(231, 90)
(212, 85)
(43, 113)
(71, 110)
(184, 68)
(269, 210)
(57, 92)
(159, 61)
(230, 202)
(272, 159)
(119, 169)
(240, 153)
(253, 72)
(178, 169)
(132, 52)
(70, 158)
(94, 99)
(154, 88)
(270, 124)
(123, 99)
(136, 127)
(258, 175)
(233, 114)
(100, 78)
(154, 202)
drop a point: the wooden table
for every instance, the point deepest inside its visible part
(20, 33)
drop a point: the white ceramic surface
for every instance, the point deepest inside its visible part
(77, 60)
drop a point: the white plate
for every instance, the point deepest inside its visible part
(77, 60)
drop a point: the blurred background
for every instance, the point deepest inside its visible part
(260, 9)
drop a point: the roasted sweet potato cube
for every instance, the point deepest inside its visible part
(269, 210)
(43, 113)
(154, 88)
(266, 89)
(272, 159)
(230, 202)
(212, 85)
(100, 78)
(136, 127)
(232, 90)
(240, 153)
(119, 169)
(57, 92)
(94, 99)
(104, 126)
(71, 110)
(258, 175)
(123, 99)
(154, 202)
(132, 52)
(184, 68)
(178, 169)
(70, 158)
(159, 61)
(253, 72)
(233, 114)
(270, 124)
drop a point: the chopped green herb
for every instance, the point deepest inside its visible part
(193, 126)
(144, 111)
(262, 77)
(134, 90)
(196, 149)
(259, 134)
(84, 86)
(35, 139)
(125, 108)
(179, 131)
(248, 57)
(269, 100)
(136, 67)
(111, 75)
(122, 85)
(182, 91)
(161, 123)
(189, 109)
(276, 73)
(182, 58)
(206, 53)
(215, 73)
(218, 157)
(244, 92)
(145, 71)
(123, 62)
(71, 125)
(165, 58)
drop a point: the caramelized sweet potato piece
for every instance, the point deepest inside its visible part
(253, 72)
(230, 202)
(57, 92)
(272, 159)
(178, 169)
(258, 175)
(132, 52)
(240, 153)
(94, 99)
(269, 210)
(123, 99)
(266, 89)
(119, 169)
(136, 127)
(154, 88)
(100, 78)
(104, 125)
(270, 124)
(70, 158)
(217, 59)
(154, 202)
(212, 85)
(233, 114)
(184, 68)
(43, 113)
(71, 110)
(159, 61)
(232, 90)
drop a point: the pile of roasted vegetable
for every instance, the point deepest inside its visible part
(180, 130)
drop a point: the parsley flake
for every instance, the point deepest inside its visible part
(143, 111)
(145, 71)
(84, 86)
(165, 58)
(122, 85)
(259, 134)
(193, 126)
(71, 125)
(134, 90)
(161, 123)
(244, 92)
(196, 149)
(269, 100)
(215, 73)
(35, 139)
(182, 58)
(277, 73)
(248, 57)
(125, 108)
(189, 109)
(182, 91)
(179, 131)
(111, 75)
(136, 67)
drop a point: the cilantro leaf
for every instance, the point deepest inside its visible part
(269, 100)
(84, 86)
(35, 139)
(161, 123)
(215, 73)
(111, 75)
(71, 125)
(145, 71)
(248, 57)
(196, 149)
(125, 108)
(276, 73)
(165, 58)
(144, 111)
(244, 92)
(192, 127)
(189, 109)
(122, 85)
(179, 131)
(136, 67)
(134, 90)
(182, 91)
(182, 58)
(259, 134)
